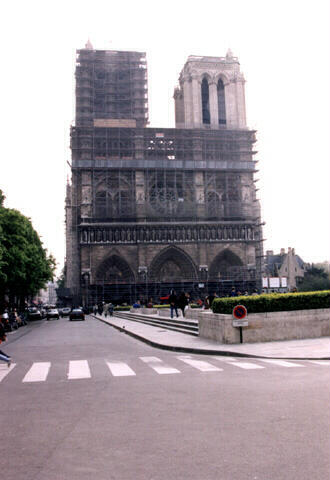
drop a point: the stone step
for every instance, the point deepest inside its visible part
(164, 318)
(190, 328)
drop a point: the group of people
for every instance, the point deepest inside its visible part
(105, 309)
(180, 302)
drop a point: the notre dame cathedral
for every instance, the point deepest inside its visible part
(150, 209)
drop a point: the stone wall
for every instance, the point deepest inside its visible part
(264, 327)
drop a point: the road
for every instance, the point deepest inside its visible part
(84, 401)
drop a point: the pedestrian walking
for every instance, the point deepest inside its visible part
(110, 309)
(3, 356)
(173, 299)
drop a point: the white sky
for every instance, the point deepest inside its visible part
(284, 50)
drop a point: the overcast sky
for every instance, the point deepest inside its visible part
(284, 50)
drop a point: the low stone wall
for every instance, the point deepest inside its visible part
(144, 310)
(166, 312)
(264, 327)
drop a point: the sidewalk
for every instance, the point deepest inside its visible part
(159, 337)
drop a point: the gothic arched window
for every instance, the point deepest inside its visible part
(221, 103)
(101, 204)
(205, 102)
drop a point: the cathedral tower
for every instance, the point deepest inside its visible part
(152, 209)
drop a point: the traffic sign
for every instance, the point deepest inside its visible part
(240, 323)
(239, 312)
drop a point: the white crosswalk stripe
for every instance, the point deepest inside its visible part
(226, 359)
(4, 370)
(78, 369)
(246, 365)
(120, 369)
(158, 365)
(324, 363)
(38, 372)
(281, 363)
(200, 364)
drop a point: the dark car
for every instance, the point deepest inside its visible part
(33, 313)
(65, 311)
(53, 313)
(77, 314)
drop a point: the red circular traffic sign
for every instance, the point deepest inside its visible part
(239, 312)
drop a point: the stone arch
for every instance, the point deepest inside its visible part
(221, 97)
(114, 269)
(205, 75)
(172, 265)
(205, 97)
(222, 76)
(225, 265)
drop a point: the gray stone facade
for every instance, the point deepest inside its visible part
(151, 209)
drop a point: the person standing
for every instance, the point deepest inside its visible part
(182, 302)
(173, 299)
(3, 356)
(110, 309)
(211, 298)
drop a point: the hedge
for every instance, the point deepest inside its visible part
(274, 302)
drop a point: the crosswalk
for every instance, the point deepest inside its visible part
(39, 372)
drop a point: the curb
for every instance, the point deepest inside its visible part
(199, 351)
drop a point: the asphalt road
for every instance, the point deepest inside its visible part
(84, 401)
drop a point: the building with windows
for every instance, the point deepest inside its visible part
(150, 209)
(285, 265)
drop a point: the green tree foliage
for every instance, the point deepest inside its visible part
(3, 277)
(315, 279)
(61, 278)
(25, 267)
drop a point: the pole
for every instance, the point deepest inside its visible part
(240, 334)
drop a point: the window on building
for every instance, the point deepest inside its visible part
(205, 102)
(221, 103)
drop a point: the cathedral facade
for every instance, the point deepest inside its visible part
(150, 209)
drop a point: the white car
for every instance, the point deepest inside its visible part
(65, 312)
(53, 313)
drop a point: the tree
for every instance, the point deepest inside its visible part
(25, 266)
(61, 278)
(315, 279)
(3, 277)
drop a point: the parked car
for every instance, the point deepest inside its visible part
(77, 314)
(33, 313)
(65, 311)
(53, 313)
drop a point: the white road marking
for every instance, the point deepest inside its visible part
(281, 363)
(200, 364)
(246, 365)
(158, 365)
(226, 359)
(120, 369)
(321, 362)
(4, 370)
(38, 372)
(78, 369)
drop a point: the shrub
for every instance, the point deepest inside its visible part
(122, 308)
(274, 302)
